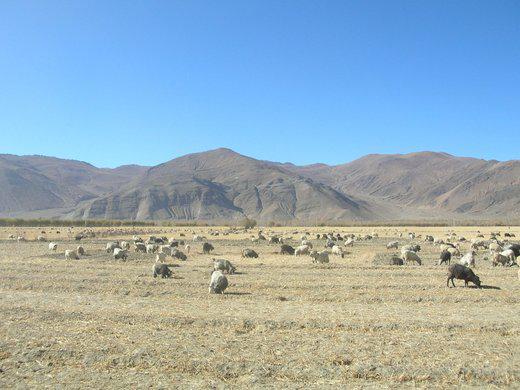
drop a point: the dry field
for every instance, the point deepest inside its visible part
(284, 322)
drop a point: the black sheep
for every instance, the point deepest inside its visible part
(445, 257)
(459, 271)
(286, 250)
(207, 247)
(162, 270)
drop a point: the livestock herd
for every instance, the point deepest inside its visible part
(497, 247)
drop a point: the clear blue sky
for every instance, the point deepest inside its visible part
(117, 82)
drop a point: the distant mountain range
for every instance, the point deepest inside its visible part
(221, 185)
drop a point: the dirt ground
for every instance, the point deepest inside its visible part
(284, 322)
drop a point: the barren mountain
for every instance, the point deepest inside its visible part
(224, 185)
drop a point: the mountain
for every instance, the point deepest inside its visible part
(222, 185)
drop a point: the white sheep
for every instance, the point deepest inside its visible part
(120, 253)
(71, 255)
(53, 246)
(409, 256)
(510, 254)
(301, 250)
(468, 259)
(392, 244)
(338, 251)
(319, 257)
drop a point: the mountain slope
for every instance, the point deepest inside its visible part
(222, 184)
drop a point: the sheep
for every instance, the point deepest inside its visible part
(349, 242)
(140, 247)
(71, 255)
(207, 248)
(514, 247)
(461, 272)
(21, 239)
(224, 266)
(125, 245)
(454, 251)
(177, 254)
(161, 270)
(80, 250)
(249, 253)
(468, 259)
(336, 250)
(428, 238)
(111, 246)
(392, 244)
(218, 283)
(319, 257)
(286, 250)
(411, 247)
(41, 239)
(510, 254)
(274, 240)
(120, 253)
(307, 243)
(409, 256)
(197, 238)
(160, 257)
(499, 258)
(330, 243)
(151, 248)
(445, 257)
(301, 250)
(53, 246)
(394, 260)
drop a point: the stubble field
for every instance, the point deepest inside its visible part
(284, 322)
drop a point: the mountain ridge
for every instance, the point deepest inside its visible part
(221, 184)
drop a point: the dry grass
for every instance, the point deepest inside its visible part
(285, 322)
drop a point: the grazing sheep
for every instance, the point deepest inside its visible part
(21, 239)
(249, 253)
(392, 244)
(499, 258)
(151, 248)
(445, 257)
(411, 247)
(197, 238)
(53, 246)
(307, 243)
(510, 254)
(514, 247)
(177, 254)
(394, 260)
(161, 270)
(224, 266)
(80, 250)
(274, 240)
(319, 257)
(218, 283)
(125, 245)
(71, 255)
(301, 250)
(330, 243)
(409, 256)
(428, 238)
(120, 253)
(454, 251)
(140, 247)
(337, 250)
(41, 239)
(349, 242)
(207, 248)
(286, 250)
(111, 246)
(461, 272)
(468, 259)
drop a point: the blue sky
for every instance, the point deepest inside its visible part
(118, 82)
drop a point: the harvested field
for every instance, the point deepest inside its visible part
(283, 322)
